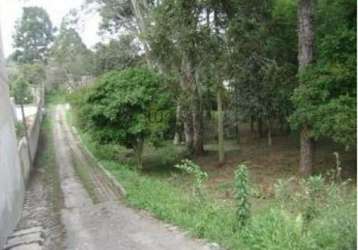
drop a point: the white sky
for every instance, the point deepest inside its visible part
(11, 10)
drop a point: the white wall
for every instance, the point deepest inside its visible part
(11, 180)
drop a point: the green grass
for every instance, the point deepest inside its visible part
(56, 96)
(47, 160)
(166, 193)
(86, 180)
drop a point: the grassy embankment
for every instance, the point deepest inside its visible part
(302, 215)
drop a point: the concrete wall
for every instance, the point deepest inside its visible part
(15, 163)
(34, 133)
(11, 180)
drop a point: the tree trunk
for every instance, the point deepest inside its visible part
(260, 128)
(186, 107)
(138, 151)
(306, 154)
(237, 125)
(237, 131)
(197, 126)
(176, 140)
(252, 125)
(221, 149)
(305, 33)
(188, 133)
(305, 57)
(193, 119)
(269, 133)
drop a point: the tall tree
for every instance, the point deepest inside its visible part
(175, 40)
(130, 16)
(117, 54)
(326, 96)
(71, 55)
(117, 15)
(122, 108)
(305, 58)
(33, 37)
(262, 60)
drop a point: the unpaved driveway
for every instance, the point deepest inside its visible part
(93, 216)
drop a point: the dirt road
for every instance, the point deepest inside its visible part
(93, 216)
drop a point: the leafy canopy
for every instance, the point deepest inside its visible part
(70, 54)
(34, 34)
(117, 54)
(126, 107)
(20, 90)
(326, 99)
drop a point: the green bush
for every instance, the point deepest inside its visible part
(21, 91)
(200, 176)
(126, 108)
(57, 96)
(242, 193)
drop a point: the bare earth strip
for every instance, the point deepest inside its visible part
(93, 216)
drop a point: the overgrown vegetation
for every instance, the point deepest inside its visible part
(21, 91)
(195, 72)
(305, 214)
(47, 161)
(126, 108)
(199, 176)
(242, 194)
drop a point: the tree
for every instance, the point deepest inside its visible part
(71, 55)
(262, 60)
(175, 40)
(34, 34)
(305, 58)
(23, 79)
(116, 55)
(129, 16)
(127, 107)
(20, 90)
(215, 70)
(34, 74)
(117, 15)
(325, 101)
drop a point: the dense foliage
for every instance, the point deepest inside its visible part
(252, 46)
(330, 223)
(229, 62)
(70, 56)
(34, 34)
(126, 107)
(327, 98)
(116, 55)
(21, 91)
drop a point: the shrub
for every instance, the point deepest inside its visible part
(21, 91)
(242, 197)
(126, 107)
(199, 175)
(283, 191)
(314, 190)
